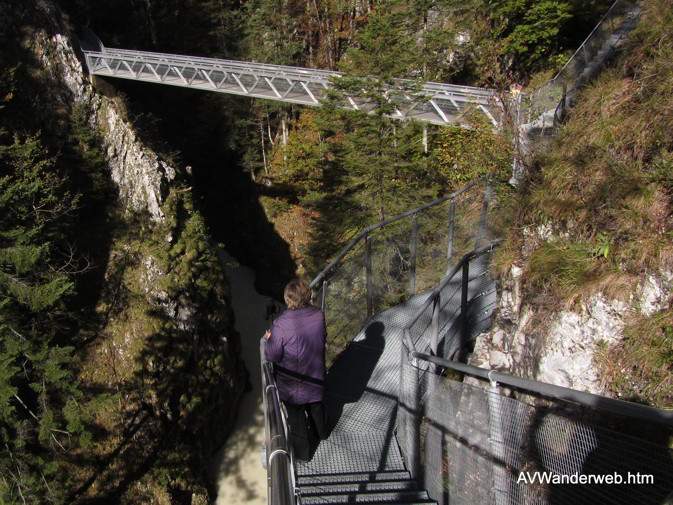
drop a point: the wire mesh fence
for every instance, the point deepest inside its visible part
(455, 313)
(390, 263)
(551, 97)
(343, 298)
(455, 332)
(468, 444)
(480, 446)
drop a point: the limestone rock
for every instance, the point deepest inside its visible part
(140, 175)
(573, 339)
(565, 353)
(655, 293)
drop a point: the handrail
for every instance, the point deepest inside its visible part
(567, 93)
(635, 410)
(409, 391)
(436, 292)
(551, 82)
(320, 75)
(586, 39)
(280, 476)
(363, 234)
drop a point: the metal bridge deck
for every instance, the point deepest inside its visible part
(362, 385)
(437, 103)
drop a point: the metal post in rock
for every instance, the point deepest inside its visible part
(368, 267)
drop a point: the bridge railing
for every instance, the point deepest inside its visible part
(469, 444)
(276, 454)
(553, 97)
(437, 103)
(395, 259)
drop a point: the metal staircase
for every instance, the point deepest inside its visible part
(361, 461)
(377, 487)
(406, 433)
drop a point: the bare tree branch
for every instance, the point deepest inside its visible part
(26, 407)
(73, 261)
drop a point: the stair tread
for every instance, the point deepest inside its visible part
(372, 502)
(307, 480)
(427, 501)
(358, 487)
(399, 496)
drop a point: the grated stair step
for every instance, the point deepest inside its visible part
(370, 497)
(357, 487)
(346, 478)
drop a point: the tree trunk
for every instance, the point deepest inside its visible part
(261, 133)
(284, 127)
(285, 132)
(309, 34)
(425, 139)
(330, 40)
(150, 23)
(268, 129)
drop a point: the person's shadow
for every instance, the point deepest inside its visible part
(349, 375)
(636, 448)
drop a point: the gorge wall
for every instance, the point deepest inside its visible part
(566, 348)
(156, 354)
(586, 268)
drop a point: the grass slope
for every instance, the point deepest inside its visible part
(604, 189)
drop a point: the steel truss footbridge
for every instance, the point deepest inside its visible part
(431, 102)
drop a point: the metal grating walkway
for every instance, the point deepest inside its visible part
(433, 102)
(361, 460)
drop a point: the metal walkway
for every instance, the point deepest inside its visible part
(435, 103)
(361, 460)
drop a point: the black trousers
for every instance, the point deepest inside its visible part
(308, 425)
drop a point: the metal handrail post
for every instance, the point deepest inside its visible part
(463, 307)
(449, 247)
(434, 339)
(368, 267)
(323, 301)
(409, 409)
(412, 268)
(484, 214)
(496, 439)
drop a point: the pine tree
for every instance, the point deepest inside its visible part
(39, 412)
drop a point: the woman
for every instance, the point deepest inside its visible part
(296, 344)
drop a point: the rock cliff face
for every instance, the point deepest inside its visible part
(162, 367)
(142, 177)
(564, 350)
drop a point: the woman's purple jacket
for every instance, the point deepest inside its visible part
(297, 346)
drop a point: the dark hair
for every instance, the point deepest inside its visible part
(297, 294)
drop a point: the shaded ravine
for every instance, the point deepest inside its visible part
(239, 475)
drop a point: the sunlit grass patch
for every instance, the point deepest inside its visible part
(562, 269)
(640, 367)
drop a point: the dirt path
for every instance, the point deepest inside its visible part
(239, 473)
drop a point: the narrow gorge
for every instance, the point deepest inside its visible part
(145, 228)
